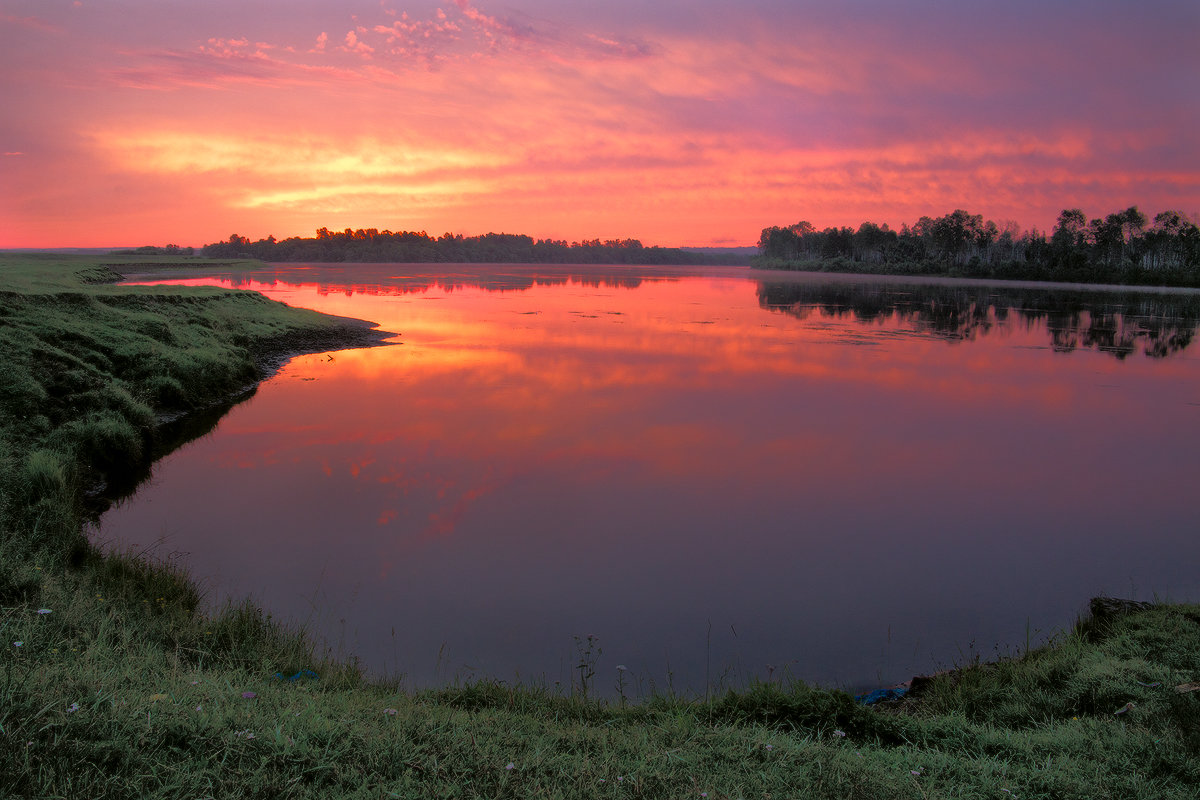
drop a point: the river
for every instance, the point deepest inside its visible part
(719, 474)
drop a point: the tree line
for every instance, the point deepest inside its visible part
(372, 245)
(1123, 247)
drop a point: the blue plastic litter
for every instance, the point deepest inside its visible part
(880, 695)
(304, 673)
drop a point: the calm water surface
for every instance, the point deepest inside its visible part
(720, 474)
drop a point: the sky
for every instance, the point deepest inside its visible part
(131, 122)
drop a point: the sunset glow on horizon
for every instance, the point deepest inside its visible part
(141, 122)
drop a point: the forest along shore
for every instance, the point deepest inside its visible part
(1121, 248)
(113, 682)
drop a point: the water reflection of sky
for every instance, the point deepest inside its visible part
(694, 475)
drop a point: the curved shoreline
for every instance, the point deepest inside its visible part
(346, 333)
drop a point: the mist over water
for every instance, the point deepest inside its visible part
(718, 473)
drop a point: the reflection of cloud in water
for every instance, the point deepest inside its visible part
(506, 479)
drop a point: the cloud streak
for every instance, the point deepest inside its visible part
(30, 23)
(392, 46)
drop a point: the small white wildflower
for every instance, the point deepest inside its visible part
(510, 765)
(199, 706)
(620, 777)
(621, 667)
(770, 747)
(840, 734)
(71, 709)
(44, 611)
(391, 712)
(18, 644)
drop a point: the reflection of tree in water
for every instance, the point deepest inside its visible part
(334, 280)
(1112, 322)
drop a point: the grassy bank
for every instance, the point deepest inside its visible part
(113, 684)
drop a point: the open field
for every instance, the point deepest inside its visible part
(114, 684)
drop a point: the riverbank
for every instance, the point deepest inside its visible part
(119, 686)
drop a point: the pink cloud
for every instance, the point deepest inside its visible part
(353, 45)
(475, 15)
(401, 44)
(223, 62)
(33, 23)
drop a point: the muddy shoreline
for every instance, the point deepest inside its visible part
(347, 333)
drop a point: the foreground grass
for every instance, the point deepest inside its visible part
(113, 684)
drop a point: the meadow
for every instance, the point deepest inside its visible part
(116, 682)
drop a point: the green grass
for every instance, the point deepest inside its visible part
(127, 689)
